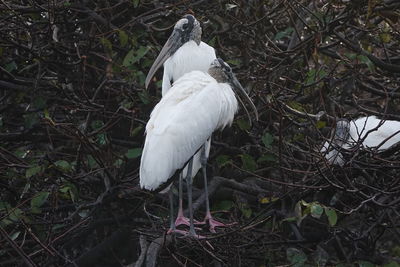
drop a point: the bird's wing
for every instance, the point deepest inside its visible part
(179, 125)
(377, 131)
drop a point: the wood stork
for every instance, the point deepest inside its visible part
(368, 132)
(197, 104)
(182, 53)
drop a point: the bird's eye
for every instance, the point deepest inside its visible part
(185, 26)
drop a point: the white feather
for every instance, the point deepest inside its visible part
(187, 58)
(374, 130)
(194, 107)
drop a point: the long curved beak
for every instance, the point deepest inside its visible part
(173, 43)
(242, 92)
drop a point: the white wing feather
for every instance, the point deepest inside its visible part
(181, 123)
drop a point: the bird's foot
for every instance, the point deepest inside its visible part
(214, 223)
(181, 219)
(177, 231)
(193, 234)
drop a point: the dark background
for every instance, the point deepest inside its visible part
(73, 110)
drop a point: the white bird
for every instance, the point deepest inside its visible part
(365, 132)
(182, 53)
(196, 105)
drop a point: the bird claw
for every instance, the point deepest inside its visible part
(177, 231)
(214, 223)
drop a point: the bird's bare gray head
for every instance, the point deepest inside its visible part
(185, 30)
(188, 28)
(222, 73)
(341, 133)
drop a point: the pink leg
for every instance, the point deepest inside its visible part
(213, 223)
(181, 219)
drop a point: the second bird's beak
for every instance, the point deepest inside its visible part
(173, 43)
(242, 92)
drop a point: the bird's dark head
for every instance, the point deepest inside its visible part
(188, 28)
(185, 30)
(222, 73)
(342, 131)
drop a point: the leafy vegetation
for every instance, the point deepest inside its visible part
(73, 114)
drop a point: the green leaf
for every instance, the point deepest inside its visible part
(101, 139)
(248, 163)
(15, 235)
(69, 191)
(365, 264)
(118, 163)
(332, 216)
(351, 56)
(21, 153)
(223, 160)
(267, 139)
(31, 120)
(223, 205)
(14, 216)
(235, 62)
(136, 131)
(314, 75)
(392, 264)
(284, 33)
(385, 37)
(296, 257)
(320, 124)
(63, 165)
(38, 200)
(135, 3)
(245, 210)
(243, 124)
(133, 153)
(39, 102)
(96, 124)
(32, 171)
(366, 61)
(212, 41)
(123, 38)
(11, 66)
(144, 97)
(316, 210)
(92, 162)
(107, 44)
(266, 158)
(128, 58)
(134, 56)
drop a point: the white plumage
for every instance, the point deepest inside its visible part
(190, 56)
(182, 53)
(372, 132)
(181, 123)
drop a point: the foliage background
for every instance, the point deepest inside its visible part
(73, 110)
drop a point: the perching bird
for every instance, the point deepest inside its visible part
(196, 105)
(182, 53)
(367, 132)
